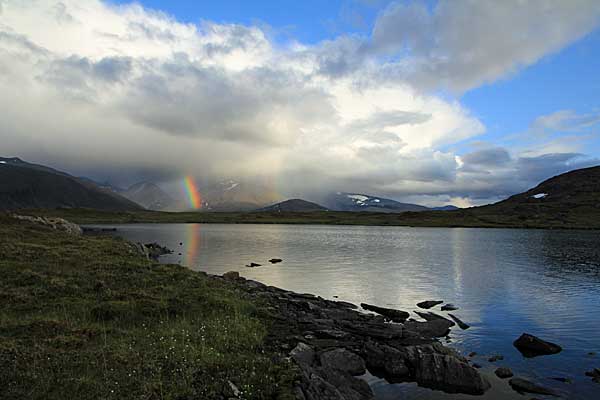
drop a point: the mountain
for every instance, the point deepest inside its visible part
(232, 195)
(448, 207)
(572, 198)
(294, 205)
(149, 195)
(363, 202)
(27, 185)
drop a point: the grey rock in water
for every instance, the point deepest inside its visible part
(445, 371)
(504, 373)
(392, 314)
(253, 264)
(594, 374)
(275, 260)
(495, 358)
(430, 329)
(524, 386)
(460, 323)
(532, 346)
(449, 307)
(431, 316)
(429, 303)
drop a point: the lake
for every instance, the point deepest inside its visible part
(505, 281)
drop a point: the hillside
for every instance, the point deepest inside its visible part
(363, 202)
(572, 201)
(294, 205)
(572, 198)
(24, 185)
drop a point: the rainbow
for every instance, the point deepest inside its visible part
(192, 192)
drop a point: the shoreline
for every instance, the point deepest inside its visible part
(332, 344)
(429, 219)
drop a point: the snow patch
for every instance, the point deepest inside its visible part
(2, 162)
(233, 186)
(376, 200)
(539, 195)
(358, 197)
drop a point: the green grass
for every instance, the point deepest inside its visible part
(86, 318)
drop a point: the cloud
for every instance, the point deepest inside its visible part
(492, 157)
(459, 45)
(123, 92)
(564, 121)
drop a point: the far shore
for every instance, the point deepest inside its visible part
(465, 218)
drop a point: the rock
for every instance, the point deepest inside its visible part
(58, 224)
(252, 265)
(524, 386)
(594, 374)
(449, 307)
(444, 371)
(475, 365)
(472, 354)
(155, 250)
(343, 360)
(531, 346)
(430, 329)
(504, 373)
(495, 358)
(231, 275)
(275, 260)
(234, 390)
(385, 362)
(303, 354)
(562, 379)
(345, 304)
(431, 316)
(460, 323)
(394, 315)
(429, 303)
(592, 353)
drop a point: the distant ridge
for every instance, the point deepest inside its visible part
(342, 201)
(26, 185)
(294, 205)
(149, 195)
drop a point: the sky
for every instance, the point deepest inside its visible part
(434, 102)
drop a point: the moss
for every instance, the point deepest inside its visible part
(87, 318)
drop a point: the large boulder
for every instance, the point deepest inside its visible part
(436, 367)
(303, 354)
(532, 346)
(343, 360)
(392, 314)
(429, 329)
(503, 373)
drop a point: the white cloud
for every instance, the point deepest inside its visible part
(86, 85)
(462, 44)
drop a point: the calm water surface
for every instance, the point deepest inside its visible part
(505, 282)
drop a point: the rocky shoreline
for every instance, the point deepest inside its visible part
(333, 343)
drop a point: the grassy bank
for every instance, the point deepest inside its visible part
(87, 318)
(425, 219)
(525, 216)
